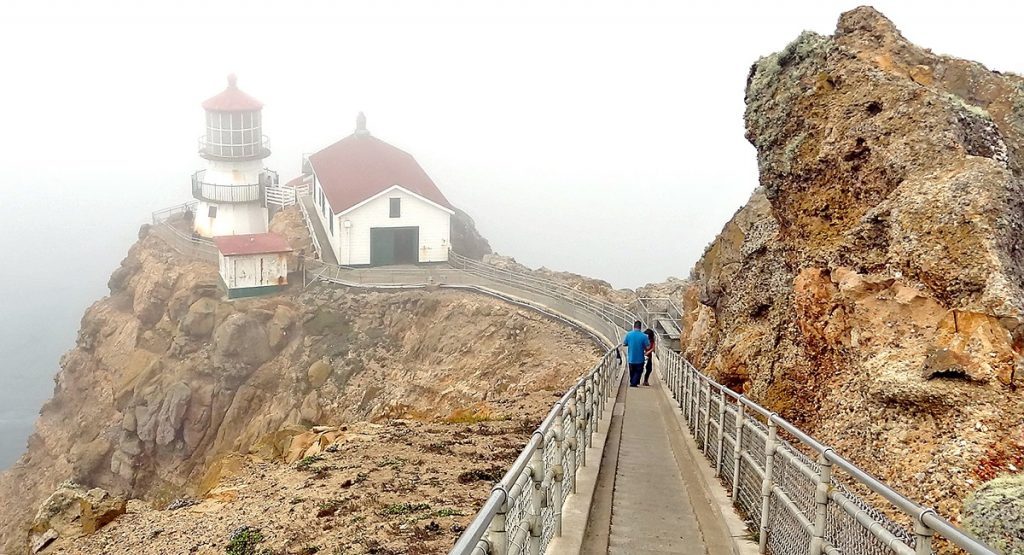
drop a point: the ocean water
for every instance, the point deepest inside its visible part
(58, 261)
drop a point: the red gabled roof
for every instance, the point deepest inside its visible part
(232, 99)
(361, 166)
(300, 180)
(256, 243)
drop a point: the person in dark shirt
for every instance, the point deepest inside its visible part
(649, 353)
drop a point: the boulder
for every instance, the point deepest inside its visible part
(280, 327)
(200, 319)
(318, 373)
(995, 514)
(240, 344)
(73, 511)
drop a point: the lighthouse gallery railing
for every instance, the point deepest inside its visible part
(795, 504)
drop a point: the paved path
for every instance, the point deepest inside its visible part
(651, 508)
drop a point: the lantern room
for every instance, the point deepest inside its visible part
(234, 126)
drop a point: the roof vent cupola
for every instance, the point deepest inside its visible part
(361, 125)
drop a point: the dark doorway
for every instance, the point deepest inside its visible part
(394, 245)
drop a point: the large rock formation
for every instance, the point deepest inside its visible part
(466, 240)
(168, 379)
(871, 287)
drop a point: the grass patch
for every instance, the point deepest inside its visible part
(328, 508)
(446, 512)
(306, 463)
(244, 540)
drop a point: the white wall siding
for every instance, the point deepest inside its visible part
(352, 244)
(232, 219)
(244, 270)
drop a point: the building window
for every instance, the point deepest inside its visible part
(233, 135)
(396, 208)
(332, 224)
(212, 213)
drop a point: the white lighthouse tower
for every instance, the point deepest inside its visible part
(232, 189)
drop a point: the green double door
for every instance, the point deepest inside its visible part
(394, 245)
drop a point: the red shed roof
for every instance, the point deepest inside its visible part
(232, 99)
(361, 166)
(256, 243)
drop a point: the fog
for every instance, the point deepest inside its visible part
(601, 138)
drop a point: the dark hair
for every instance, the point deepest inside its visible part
(637, 325)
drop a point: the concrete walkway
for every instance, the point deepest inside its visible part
(651, 508)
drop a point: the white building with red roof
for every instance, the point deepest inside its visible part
(231, 190)
(252, 264)
(376, 204)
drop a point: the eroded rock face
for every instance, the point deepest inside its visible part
(169, 380)
(871, 287)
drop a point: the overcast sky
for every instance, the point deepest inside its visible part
(601, 138)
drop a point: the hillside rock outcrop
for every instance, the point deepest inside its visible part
(871, 288)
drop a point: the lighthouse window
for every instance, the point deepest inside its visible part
(212, 212)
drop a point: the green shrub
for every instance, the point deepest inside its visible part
(244, 540)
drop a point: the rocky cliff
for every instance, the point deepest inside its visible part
(871, 288)
(172, 389)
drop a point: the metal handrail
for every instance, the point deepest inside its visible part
(684, 380)
(309, 226)
(697, 392)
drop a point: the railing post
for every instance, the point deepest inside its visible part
(737, 452)
(558, 471)
(721, 430)
(707, 420)
(497, 534)
(821, 490)
(687, 412)
(922, 534)
(592, 396)
(569, 440)
(766, 484)
(580, 423)
(678, 365)
(698, 395)
(537, 494)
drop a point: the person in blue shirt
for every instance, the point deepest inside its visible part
(636, 343)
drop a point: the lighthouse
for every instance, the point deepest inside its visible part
(231, 190)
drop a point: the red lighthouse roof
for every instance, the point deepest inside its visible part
(232, 99)
(361, 166)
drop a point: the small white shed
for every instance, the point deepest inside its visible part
(253, 264)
